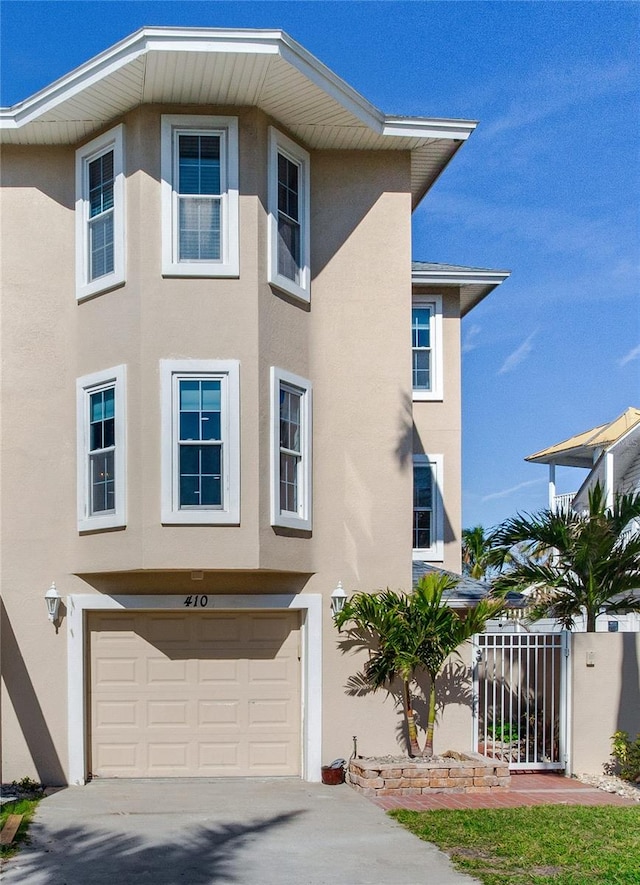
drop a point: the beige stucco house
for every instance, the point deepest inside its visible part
(218, 402)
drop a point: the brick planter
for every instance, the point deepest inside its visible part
(472, 773)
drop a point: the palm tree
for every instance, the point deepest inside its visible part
(478, 552)
(409, 633)
(576, 563)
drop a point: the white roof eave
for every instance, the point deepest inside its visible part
(127, 52)
(474, 284)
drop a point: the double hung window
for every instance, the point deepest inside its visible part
(200, 196)
(101, 455)
(100, 214)
(288, 216)
(200, 436)
(426, 347)
(291, 450)
(427, 507)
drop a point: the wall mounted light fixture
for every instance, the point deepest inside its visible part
(338, 599)
(53, 601)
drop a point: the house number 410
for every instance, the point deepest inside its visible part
(195, 601)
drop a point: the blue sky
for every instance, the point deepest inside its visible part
(548, 187)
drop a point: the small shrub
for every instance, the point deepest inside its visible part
(506, 732)
(626, 754)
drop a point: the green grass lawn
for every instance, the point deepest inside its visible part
(26, 807)
(545, 845)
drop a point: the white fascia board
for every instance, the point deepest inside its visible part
(425, 127)
(460, 278)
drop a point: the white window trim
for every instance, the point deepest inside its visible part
(230, 513)
(85, 386)
(437, 356)
(111, 140)
(229, 264)
(289, 520)
(435, 553)
(280, 144)
(310, 605)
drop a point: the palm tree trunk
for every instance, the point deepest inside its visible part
(414, 746)
(428, 747)
(591, 621)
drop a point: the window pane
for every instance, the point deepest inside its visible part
(211, 460)
(189, 460)
(189, 496)
(101, 248)
(288, 187)
(211, 391)
(109, 402)
(290, 419)
(200, 476)
(102, 483)
(199, 229)
(422, 481)
(421, 529)
(190, 395)
(289, 249)
(289, 483)
(109, 433)
(96, 406)
(421, 326)
(211, 494)
(199, 164)
(101, 184)
(189, 425)
(210, 425)
(421, 370)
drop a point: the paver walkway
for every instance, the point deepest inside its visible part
(526, 789)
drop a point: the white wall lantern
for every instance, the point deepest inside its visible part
(338, 599)
(53, 602)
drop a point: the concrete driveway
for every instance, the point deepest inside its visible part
(258, 831)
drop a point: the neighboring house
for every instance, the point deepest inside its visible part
(611, 455)
(209, 417)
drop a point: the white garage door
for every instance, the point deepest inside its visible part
(194, 694)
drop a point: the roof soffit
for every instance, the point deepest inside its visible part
(230, 68)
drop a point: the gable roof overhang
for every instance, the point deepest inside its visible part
(579, 450)
(214, 66)
(474, 283)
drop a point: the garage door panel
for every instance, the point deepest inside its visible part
(160, 713)
(212, 714)
(192, 707)
(215, 671)
(163, 671)
(118, 714)
(221, 629)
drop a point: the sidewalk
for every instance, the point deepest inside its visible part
(526, 789)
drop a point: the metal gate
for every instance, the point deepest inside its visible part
(520, 698)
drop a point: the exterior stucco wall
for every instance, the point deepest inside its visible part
(605, 696)
(352, 342)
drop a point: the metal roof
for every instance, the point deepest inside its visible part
(220, 67)
(475, 283)
(578, 451)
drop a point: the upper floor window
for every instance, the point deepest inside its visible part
(200, 441)
(199, 158)
(101, 453)
(290, 450)
(426, 344)
(100, 217)
(428, 529)
(289, 216)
